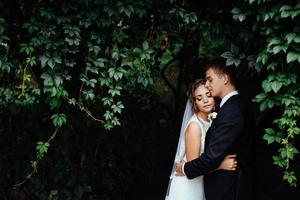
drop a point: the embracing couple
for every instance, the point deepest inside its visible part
(213, 155)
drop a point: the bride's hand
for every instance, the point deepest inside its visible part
(179, 171)
(229, 163)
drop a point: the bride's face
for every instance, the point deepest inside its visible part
(204, 100)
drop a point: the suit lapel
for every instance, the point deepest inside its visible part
(232, 99)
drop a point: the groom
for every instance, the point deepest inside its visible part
(228, 134)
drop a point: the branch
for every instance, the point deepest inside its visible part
(83, 108)
(35, 163)
(165, 78)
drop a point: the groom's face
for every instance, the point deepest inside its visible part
(214, 82)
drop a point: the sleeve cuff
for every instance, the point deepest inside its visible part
(182, 168)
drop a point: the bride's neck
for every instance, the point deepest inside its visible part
(202, 115)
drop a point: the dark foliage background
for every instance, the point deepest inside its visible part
(101, 85)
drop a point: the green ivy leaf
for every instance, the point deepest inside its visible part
(117, 108)
(279, 161)
(58, 80)
(48, 81)
(262, 57)
(51, 63)
(59, 119)
(88, 94)
(115, 55)
(291, 152)
(108, 115)
(260, 97)
(145, 45)
(41, 149)
(290, 37)
(44, 60)
(115, 91)
(107, 101)
(269, 136)
(290, 178)
(292, 56)
(276, 86)
(267, 86)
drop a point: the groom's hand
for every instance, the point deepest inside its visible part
(179, 169)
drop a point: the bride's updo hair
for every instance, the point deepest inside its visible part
(191, 93)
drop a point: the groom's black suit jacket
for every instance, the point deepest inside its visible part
(230, 133)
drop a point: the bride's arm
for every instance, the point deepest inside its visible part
(192, 141)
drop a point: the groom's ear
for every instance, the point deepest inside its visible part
(225, 79)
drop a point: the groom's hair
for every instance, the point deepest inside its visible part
(219, 66)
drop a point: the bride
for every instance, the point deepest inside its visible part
(191, 143)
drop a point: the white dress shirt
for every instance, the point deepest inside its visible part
(227, 96)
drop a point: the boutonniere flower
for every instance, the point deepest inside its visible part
(212, 116)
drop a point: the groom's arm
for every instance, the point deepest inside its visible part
(226, 131)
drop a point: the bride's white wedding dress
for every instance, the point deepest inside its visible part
(181, 188)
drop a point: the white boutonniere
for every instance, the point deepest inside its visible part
(212, 116)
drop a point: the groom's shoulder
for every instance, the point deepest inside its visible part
(234, 101)
(235, 104)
